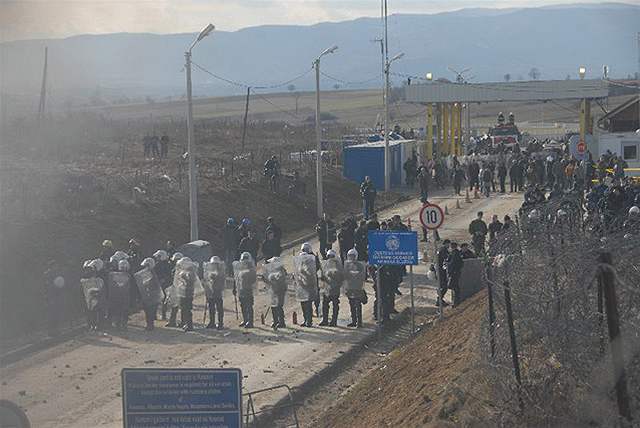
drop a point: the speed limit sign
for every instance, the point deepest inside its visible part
(431, 216)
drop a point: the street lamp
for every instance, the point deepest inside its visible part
(582, 71)
(316, 65)
(387, 166)
(193, 185)
(429, 76)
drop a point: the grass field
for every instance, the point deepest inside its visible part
(359, 109)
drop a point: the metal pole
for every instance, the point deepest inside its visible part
(318, 142)
(246, 114)
(440, 295)
(379, 301)
(467, 131)
(387, 165)
(193, 185)
(413, 307)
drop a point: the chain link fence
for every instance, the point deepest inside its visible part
(561, 337)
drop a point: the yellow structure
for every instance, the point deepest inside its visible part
(429, 144)
(460, 133)
(454, 129)
(445, 130)
(586, 122)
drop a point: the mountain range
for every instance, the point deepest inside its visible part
(492, 42)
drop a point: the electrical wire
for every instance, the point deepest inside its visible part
(347, 83)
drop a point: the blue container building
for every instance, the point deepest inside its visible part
(368, 159)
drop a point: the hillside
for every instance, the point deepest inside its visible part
(492, 42)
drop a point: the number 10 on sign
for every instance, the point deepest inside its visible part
(431, 216)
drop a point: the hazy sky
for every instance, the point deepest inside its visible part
(29, 19)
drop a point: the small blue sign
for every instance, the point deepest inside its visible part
(189, 398)
(387, 247)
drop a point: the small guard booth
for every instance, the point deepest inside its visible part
(368, 159)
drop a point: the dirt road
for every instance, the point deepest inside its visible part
(77, 383)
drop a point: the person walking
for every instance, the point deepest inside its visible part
(454, 270)
(478, 231)
(368, 194)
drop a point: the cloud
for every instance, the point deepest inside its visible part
(29, 19)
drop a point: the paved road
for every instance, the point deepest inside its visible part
(77, 383)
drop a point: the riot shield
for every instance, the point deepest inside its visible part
(306, 277)
(332, 276)
(149, 287)
(244, 273)
(213, 279)
(275, 276)
(93, 290)
(119, 283)
(354, 275)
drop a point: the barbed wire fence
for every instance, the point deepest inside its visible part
(561, 335)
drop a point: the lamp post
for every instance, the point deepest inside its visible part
(193, 185)
(316, 65)
(582, 71)
(429, 76)
(387, 165)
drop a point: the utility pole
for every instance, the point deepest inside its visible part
(193, 184)
(43, 89)
(316, 65)
(246, 113)
(381, 41)
(319, 194)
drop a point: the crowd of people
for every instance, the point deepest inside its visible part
(120, 282)
(155, 147)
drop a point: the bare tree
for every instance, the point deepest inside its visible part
(534, 73)
(568, 77)
(507, 77)
(336, 86)
(291, 87)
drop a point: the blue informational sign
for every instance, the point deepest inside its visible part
(186, 398)
(392, 248)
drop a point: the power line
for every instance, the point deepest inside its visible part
(347, 83)
(245, 85)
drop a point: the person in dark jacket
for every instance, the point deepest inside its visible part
(515, 176)
(360, 241)
(273, 227)
(478, 231)
(494, 227)
(474, 171)
(502, 176)
(441, 260)
(466, 252)
(270, 246)
(454, 270)
(458, 178)
(250, 245)
(326, 231)
(346, 237)
(424, 179)
(368, 194)
(230, 240)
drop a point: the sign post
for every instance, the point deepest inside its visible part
(581, 149)
(432, 217)
(388, 247)
(190, 398)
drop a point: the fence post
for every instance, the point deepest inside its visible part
(613, 322)
(600, 313)
(512, 335)
(492, 313)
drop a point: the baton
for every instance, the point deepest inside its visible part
(235, 299)
(204, 315)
